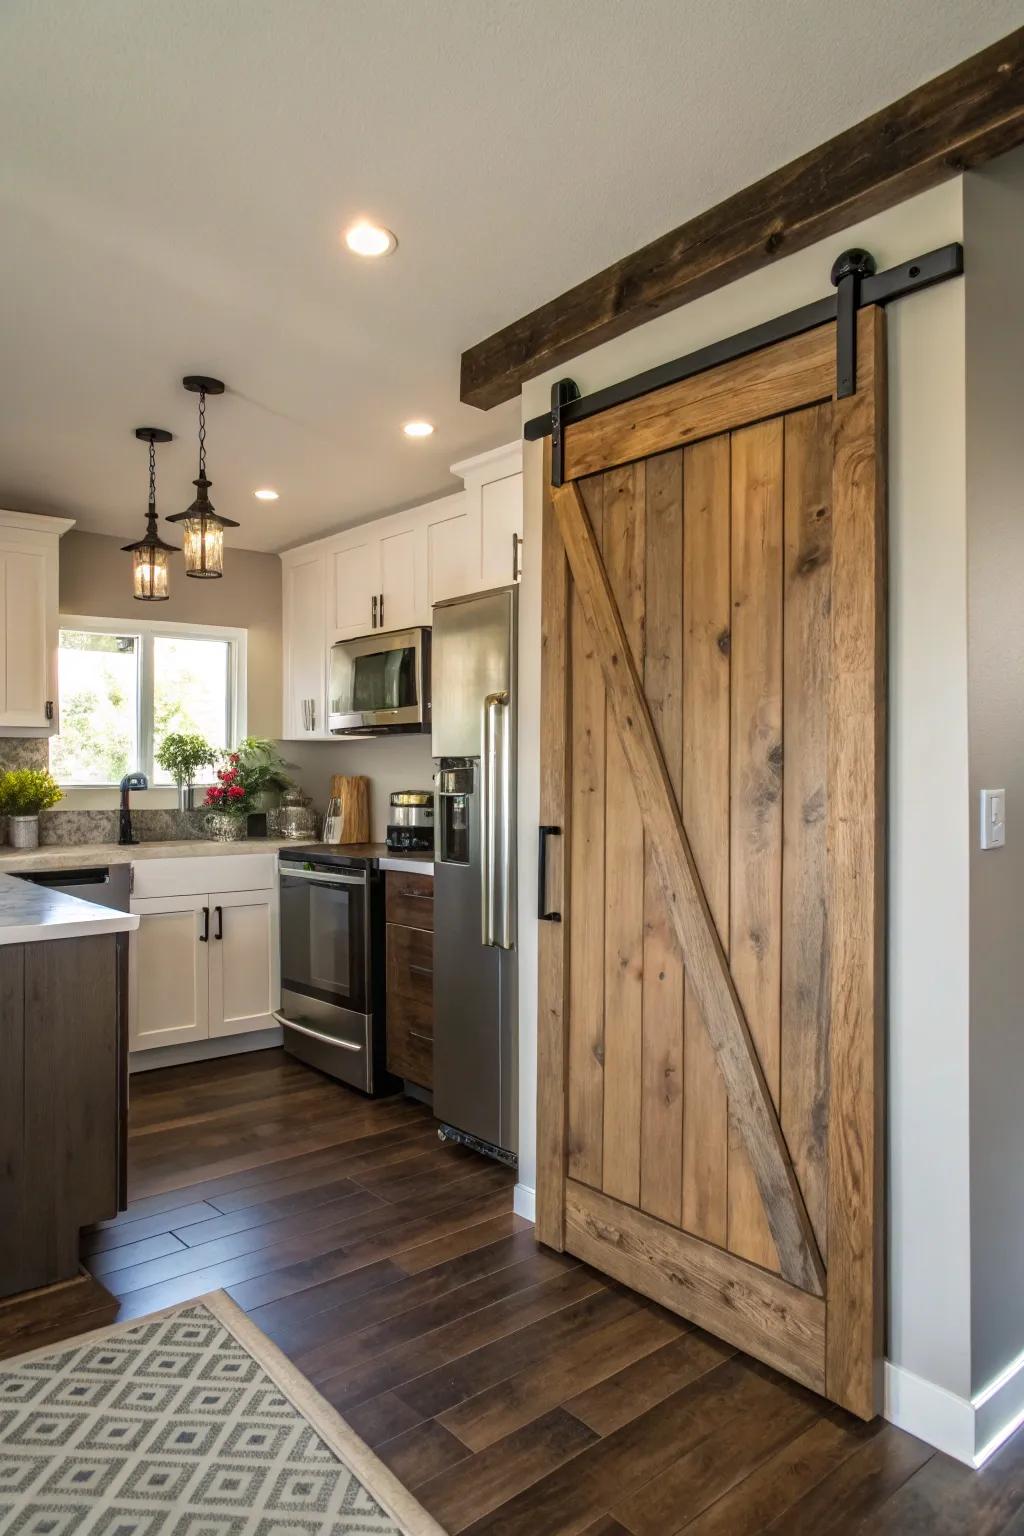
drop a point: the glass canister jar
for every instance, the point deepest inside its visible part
(296, 818)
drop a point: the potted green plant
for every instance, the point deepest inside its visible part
(182, 754)
(24, 792)
(264, 771)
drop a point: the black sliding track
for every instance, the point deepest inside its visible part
(866, 287)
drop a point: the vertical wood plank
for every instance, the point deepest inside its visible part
(755, 947)
(587, 882)
(661, 1114)
(552, 938)
(705, 807)
(807, 646)
(624, 546)
(855, 1288)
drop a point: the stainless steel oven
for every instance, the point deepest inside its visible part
(380, 684)
(332, 982)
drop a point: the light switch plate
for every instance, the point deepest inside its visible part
(993, 818)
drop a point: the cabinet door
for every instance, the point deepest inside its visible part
(305, 648)
(356, 571)
(397, 608)
(501, 520)
(452, 556)
(169, 972)
(245, 984)
(28, 635)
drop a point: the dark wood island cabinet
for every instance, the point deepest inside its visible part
(63, 1100)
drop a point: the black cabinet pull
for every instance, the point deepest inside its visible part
(421, 970)
(220, 922)
(380, 610)
(542, 875)
(204, 937)
(373, 611)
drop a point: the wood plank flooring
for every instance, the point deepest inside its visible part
(515, 1390)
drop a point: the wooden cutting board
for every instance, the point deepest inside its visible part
(352, 793)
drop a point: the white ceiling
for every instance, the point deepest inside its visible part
(175, 178)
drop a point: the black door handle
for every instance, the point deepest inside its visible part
(542, 875)
(204, 937)
(220, 922)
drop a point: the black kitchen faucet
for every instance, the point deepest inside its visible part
(130, 781)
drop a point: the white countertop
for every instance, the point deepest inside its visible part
(94, 855)
(30, 912)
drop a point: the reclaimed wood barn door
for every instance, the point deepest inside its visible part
(711, 1002)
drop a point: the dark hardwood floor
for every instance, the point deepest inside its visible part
(515, 1390)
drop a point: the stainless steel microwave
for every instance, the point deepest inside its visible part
(380, 683)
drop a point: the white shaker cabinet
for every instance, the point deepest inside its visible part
(305, 651)
(29, 600)
(245, 965)
(168, 973)
(387, 575)
(494, 508)
(203, 964)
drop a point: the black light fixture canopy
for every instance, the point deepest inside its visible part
(149, 554)
(203, 527)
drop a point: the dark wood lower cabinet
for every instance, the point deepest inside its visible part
(63, 1109)
(411, 978)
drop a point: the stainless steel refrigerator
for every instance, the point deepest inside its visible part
(474, 747)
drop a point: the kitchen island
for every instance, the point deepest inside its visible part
(63, 1082)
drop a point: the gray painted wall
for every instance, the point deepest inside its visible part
(994, 225)
(389, 762)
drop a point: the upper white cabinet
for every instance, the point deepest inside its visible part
(355, 584)
(494, 508)
(29, 600)
(305, 657)
(388, 574)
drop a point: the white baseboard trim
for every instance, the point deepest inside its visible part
(969, 1429)
(524, 1202)
(204, 1050)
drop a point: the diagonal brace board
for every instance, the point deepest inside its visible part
(750, 1102)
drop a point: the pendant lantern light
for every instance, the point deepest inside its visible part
(203, 527)
(149, 554)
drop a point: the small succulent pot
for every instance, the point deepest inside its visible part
(186, 797)
(23, 831)
(224, 827)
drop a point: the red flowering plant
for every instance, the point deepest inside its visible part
(234, 788)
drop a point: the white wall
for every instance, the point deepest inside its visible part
(389, 762)
(929, 1320)
(994, 215)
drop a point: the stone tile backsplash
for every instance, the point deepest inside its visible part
(60, 827)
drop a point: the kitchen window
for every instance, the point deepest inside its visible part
(124, 686)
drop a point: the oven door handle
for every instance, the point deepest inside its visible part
(318, 877)
(315, 1034)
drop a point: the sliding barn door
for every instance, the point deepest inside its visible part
(711, 1003)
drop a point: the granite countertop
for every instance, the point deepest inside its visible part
(94, 855)
(30, 912)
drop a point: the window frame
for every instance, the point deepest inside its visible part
(147, 631)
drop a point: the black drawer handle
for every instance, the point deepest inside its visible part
(542, 875)
(418, 895)
(421, 970)
(204, 937)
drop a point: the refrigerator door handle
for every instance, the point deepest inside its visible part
(496, 823)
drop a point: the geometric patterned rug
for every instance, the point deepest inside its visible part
(186, 1423)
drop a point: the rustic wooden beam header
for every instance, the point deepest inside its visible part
(962, 118)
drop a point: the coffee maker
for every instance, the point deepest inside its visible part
(411, 821)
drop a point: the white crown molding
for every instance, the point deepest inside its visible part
(492, 465)
(38, 522)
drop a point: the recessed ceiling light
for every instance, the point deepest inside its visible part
(266, 494)
(367, 239)
(417, 429)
